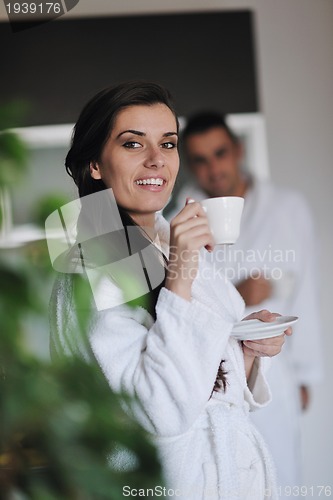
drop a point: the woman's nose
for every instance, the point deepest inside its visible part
(154, 158)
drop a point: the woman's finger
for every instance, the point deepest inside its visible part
(190, 210)
(263, 315)
(267, 347)
(188, 224)
(289, 331)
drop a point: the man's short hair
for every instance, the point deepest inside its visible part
(204, 121)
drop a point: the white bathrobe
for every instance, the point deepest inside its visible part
(277, 234)
(207, 445)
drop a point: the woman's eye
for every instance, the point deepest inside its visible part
(132, 145)
(169, 145)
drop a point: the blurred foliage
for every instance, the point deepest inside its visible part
(12, 158)
(13, 113)
(60, 421)
(13, 151)
(46, 205)
(62, 428)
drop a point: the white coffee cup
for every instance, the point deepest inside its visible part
(224, 216)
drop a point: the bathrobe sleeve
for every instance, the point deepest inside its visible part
(257, 393)
(218, 294)
(170, 367)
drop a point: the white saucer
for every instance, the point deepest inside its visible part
(254, 329)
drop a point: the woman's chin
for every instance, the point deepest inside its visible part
(154, 204)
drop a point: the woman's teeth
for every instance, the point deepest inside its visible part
(155, 182)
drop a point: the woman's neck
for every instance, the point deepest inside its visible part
(147, 222)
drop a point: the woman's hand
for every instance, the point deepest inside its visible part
(264, 347)
(189, 232)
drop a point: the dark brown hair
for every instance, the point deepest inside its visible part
(205, 120)
(95, 124)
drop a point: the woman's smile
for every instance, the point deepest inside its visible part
(153, 184)
(140, 160)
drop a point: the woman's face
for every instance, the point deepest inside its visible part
(140, 160)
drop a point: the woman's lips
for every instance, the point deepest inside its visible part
(154, 184)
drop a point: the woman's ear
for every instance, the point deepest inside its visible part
(95, 170)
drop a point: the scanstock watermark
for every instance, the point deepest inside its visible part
(24, 14)
(87, 237)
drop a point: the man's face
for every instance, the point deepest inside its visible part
(214, 160)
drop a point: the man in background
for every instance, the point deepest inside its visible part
(273, 266)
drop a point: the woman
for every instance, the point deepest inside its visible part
(166, 348)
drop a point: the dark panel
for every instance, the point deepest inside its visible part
(205, 59)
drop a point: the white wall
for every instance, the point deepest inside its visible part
(295, 60)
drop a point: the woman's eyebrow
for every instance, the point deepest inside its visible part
(168, 134)
(136, 132)
(142, 134)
